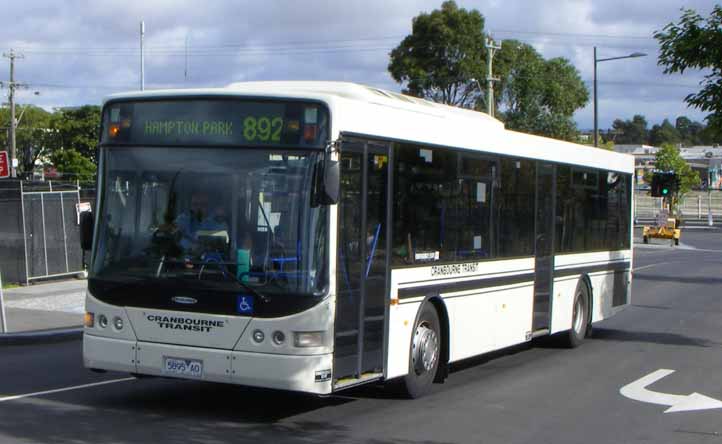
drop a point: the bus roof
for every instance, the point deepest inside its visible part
(364, 110)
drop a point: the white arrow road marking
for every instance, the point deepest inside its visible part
(64, 389)
(637, 390)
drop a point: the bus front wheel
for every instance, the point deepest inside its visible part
(424, 353)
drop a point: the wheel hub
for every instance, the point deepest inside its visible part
(578, 315)
(425, 349)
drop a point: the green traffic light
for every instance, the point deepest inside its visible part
(665, 191)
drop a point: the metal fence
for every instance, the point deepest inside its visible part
(696, 205)
(39, 235)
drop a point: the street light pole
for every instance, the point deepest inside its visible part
(596, 60)
(142, 56)
(596, 123)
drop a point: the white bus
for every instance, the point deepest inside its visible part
(313, 236)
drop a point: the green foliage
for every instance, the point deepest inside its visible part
(33, 134)
(669, 159)
(40, 134)
(444, 51)
(684, 131)
(72, 165)
(696, 43)
(664, 134)
(630, 131)
(538, 96)
(78, 129)
(608, 145)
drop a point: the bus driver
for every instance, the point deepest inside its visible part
(199, 219)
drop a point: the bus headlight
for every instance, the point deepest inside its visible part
(278, 337)
(118, 323)
(102, 321)
(308, 338)
(258, 336)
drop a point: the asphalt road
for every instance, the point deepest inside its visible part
(526, 394)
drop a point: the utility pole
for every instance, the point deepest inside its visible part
(12, 86)
(491, 47)
(142, 58)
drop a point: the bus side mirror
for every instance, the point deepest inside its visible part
(86, 230)
(330, 182)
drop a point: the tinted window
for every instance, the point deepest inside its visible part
(424, 182)
(593, 210)
(455, 205)
(514, 209)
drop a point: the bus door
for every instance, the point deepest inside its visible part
(361, 278)
(544, 245)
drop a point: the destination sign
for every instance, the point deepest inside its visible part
(215, 122)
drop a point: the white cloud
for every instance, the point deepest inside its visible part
(79, 51)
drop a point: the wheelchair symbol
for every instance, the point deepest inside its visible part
(245, 304)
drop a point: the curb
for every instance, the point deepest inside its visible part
(41, 336)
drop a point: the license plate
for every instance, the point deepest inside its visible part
(183, 367)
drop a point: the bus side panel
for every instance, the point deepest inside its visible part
(562, 303)
(489, 304)
(401, 322)
(485, 321)
(608, 272)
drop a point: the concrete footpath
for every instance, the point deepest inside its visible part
(45, 309)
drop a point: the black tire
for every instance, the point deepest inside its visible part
(424, 354)
(580, 319)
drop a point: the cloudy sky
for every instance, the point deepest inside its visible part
(76, 52)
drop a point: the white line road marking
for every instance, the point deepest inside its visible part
(64, 389)
(637, 390)
(649, 266)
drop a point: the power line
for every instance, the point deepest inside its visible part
(573, 35)
(201, 85)
(291, 45)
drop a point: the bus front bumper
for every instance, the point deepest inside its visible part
(304, 373)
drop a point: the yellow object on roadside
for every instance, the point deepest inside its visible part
(668, 230)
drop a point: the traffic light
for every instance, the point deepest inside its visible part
(664, 183)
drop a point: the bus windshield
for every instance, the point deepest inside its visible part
(209, 224)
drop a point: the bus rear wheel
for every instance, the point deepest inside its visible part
(580, 318)
(424, 353)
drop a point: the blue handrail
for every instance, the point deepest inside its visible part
(370, 259)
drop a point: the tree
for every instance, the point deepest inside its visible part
(696, 43)
(72, 165)
(34, 138)
(444, 51)
(78, 129)
(538, 96)
(663, 134)
(630, 131)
